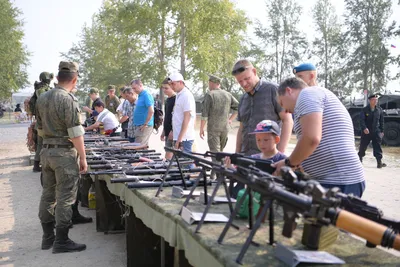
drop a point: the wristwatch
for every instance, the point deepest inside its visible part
(287, 163)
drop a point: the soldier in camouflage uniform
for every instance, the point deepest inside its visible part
(59, 124)
(41, 87)
(217, 105)
(112, 101)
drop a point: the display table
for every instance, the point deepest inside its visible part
(160, 214)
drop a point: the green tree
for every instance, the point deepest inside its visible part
(13, 54)
(327, 45)
(145, 38)
(367, 33)
(280, 39)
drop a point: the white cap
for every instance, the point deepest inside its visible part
(175, 77)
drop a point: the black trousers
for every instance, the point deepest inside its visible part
(376, 144)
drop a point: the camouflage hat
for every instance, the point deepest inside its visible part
(46, 76)
(111, 87)
(214, 79)
(93, 90)
(68, 67)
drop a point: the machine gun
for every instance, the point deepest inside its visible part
(308, 199)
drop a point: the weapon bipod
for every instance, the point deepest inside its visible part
(174, 157)
(268, 206)
(209, 201)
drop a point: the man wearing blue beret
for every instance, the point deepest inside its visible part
(307, 72)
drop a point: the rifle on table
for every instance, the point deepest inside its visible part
(109, 164)
(153, 156)
(307, 199)
(130, 178)
(115, 148)
(157, 184)
(133, 171)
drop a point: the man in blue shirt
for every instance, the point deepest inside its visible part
(143, 119)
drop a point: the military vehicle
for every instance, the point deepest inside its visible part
(391, 107)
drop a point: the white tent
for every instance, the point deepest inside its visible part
(19, 98)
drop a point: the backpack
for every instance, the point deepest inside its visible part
(32, 103)
(158, 118)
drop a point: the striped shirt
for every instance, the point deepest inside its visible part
(335, 160)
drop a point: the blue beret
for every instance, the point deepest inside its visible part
(303, 67)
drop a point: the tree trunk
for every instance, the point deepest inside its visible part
(162, 56)
(182, 37)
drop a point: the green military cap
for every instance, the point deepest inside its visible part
(46, 76)
(111, 87)
(214, 79)
(68, 67)
(93, 90)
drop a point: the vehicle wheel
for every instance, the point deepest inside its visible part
(392, 133)
(355, 117)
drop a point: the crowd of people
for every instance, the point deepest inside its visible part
(267, 113)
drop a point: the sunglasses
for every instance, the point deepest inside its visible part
(240, 70)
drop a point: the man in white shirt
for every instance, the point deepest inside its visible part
(183, 115)
(107, 118)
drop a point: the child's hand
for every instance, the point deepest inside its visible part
(228, 163)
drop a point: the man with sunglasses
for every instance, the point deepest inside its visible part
(257, 104)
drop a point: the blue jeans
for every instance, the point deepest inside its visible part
(186, 145)
(355, 189)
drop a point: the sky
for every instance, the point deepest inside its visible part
(51, 27)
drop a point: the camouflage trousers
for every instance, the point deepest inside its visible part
(60, 171)
(216, 143)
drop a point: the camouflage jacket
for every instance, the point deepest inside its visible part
(112, 103)
(41, 88)
(216, 107)
(58, 116)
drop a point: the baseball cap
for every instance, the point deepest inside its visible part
(65, 66)
(303, 67)
(176, 77)
(267, 126)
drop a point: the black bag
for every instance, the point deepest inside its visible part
(158, 118)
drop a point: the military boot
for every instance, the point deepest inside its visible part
(380, 164)
(62, 243)
(77, 218)
(48, 235)
(36, 166)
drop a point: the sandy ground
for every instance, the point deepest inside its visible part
(20, 230)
